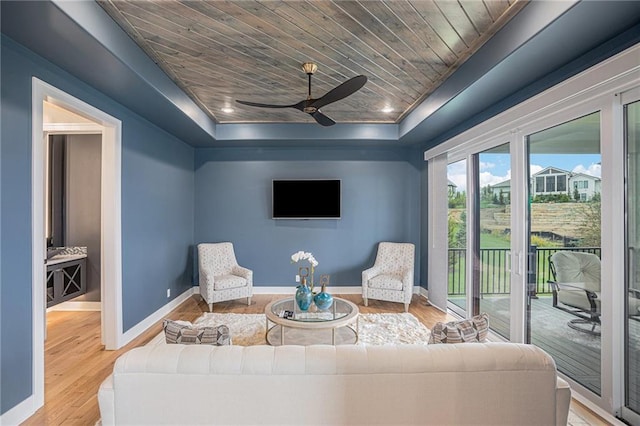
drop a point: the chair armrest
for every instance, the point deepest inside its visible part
(106, 402)
(407, 277)
(591, 295)
(563, 401)
(407, 280)
(243, 272)
(367, 274)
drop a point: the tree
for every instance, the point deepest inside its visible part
(576, 194)
(590, 225)
(458, 200)
(461, 235)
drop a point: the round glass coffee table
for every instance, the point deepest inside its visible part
(336, 326)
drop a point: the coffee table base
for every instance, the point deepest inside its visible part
(346, 335)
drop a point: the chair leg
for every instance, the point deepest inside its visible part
(249, 301)
(210, 307)
(576, 324)
(406, 307)
(366, 302)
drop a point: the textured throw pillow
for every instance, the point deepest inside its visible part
(187, 334)
(469, 330)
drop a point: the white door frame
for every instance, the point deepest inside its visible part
(111, 250)
(621, 367)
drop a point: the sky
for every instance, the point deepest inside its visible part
(496, 168)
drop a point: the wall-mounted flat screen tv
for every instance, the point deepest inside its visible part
(306, 198)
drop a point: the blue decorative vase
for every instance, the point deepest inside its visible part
(304, 297)
(323, 300)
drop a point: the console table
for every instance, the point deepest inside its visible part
(66, 278)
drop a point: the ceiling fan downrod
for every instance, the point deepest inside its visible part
(309, 68)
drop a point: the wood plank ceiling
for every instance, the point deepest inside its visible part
(220, 51)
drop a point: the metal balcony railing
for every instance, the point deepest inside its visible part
(494, 272)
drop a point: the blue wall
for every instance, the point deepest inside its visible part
(157, 212)
(380, 202)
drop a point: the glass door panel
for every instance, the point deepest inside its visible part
(494, 181)
(632, 335)
(563, 295)
(457, 236)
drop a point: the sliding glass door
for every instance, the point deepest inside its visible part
(543, 221)
(632, 308)
(479, 236)
(563, 259)
(457, 236)
(493, 218)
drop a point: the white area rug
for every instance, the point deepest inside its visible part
(373, 329)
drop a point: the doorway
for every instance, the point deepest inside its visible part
(110, 257)
(73, 210)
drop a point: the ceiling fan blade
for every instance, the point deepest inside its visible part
(256, 104)
(322, 119)
(342, 91)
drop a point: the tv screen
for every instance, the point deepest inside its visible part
(306, 199)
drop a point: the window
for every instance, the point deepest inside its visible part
(551, 184)
(540, 184)
(581, 184)
(562, 183)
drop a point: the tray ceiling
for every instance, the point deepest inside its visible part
(220, 51)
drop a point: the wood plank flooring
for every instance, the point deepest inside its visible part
(76, 362)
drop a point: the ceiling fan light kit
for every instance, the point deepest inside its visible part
(309, 67)
(312, 106)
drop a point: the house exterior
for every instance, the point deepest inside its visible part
(552, 180)
(502, 188)
(451, 188)
(178, 187)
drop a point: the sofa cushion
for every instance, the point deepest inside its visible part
(187, 334)
(468, 330)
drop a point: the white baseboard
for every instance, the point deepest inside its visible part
(421, 291)
(139, 328)
(73, 305)
(291, 289)
(19, 413)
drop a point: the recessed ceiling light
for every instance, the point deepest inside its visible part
(387, 109)
(227, 110)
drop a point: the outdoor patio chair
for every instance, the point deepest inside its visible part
(576, 288)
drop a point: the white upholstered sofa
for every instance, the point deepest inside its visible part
(456, 384)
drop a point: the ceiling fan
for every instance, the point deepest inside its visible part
(312, 106)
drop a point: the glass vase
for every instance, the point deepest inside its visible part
(323, 300)
(304, 297)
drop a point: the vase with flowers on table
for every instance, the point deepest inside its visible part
(305, 296)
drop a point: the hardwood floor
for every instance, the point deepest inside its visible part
(76, 362)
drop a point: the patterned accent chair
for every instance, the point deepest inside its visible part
(221, 278)
(391, 276)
